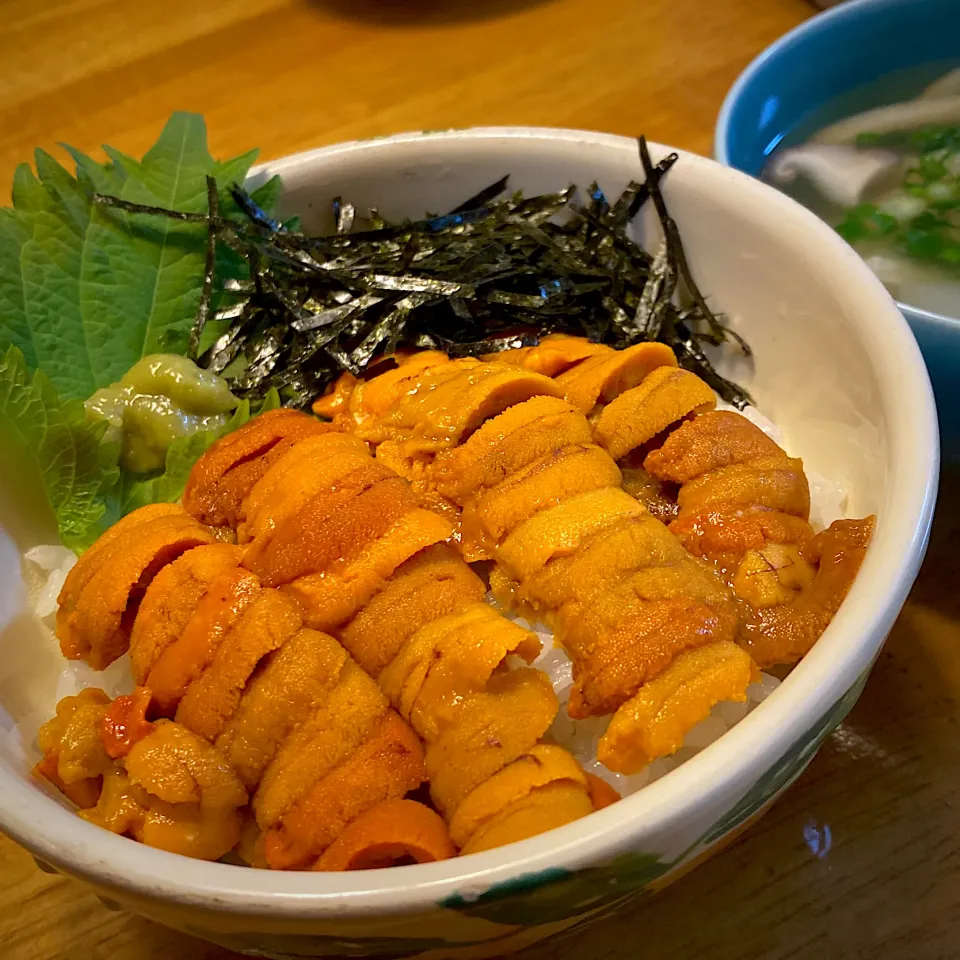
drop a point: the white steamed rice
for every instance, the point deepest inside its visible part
(46, 567)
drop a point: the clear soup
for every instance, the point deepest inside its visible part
(881, 164)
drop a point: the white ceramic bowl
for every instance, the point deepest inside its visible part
(835, 366)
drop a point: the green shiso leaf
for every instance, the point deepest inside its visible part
(63, 449)
(76, 470)
(86, 290)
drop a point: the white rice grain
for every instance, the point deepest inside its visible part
(581, 737)
(45, 568)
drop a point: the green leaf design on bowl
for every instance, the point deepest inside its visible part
(787, 768)
(554, 895)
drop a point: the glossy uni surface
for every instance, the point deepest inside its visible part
(835, 367)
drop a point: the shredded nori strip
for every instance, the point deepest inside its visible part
(497, 272)
(206, 291)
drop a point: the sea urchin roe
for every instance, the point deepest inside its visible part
(654, 723)
(387, 765)
(494, 727)
(283, 692)
(100, 600)
(507, 443)
(554, 478)
(231, 467)
(338, 725)
(389, 833)
(433, 583)
(545, 763)
(604, 376)
(172, 598)
(664, 397)
(125, 722)
(193, 796)
(448, 659)
(161, 398)
(601, 793)
(708, 442)
(211, 700)
(191, 653)
(543, 809)
(785, 633)
(74, 758)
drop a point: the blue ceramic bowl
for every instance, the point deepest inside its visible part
(829, 55)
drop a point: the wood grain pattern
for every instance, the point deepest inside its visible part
(859, 859)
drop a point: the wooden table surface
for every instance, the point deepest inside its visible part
(862, 857)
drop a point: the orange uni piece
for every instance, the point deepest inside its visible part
(185, 659)
(777, 483)
(308, 468)
(392, 832)
(719, 438)
(94, 621)
(228, 470)
(654, 722)
(331, 597)
(84, 793)
(604, 376)
(125, 722)
(603, 561)
(783, 634)
(725, 535)
(212, 699)
(387, 765)
(624, 636)
(74, 759)
(664, 398)
(431, 584)
(336, 398)
(547, 482)
(545, 763)
(333, 526)
(283, 693)
(493, 728)
(543, 809)
(507, 443)
(369, 402)
(555, 353)
(194, 796)
(335, 728)
(89, 563)
(559, 531)
(171, 599)
(457, 407)
(447, 660)
(601, 793)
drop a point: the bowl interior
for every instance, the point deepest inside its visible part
(834, 365)
(759, 275)
(826, 57)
